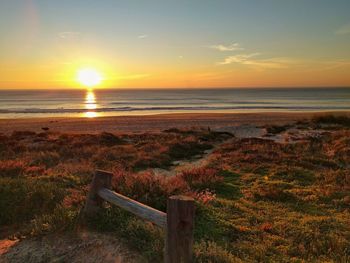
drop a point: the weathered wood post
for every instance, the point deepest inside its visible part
(102, 179)
(179, 232)
(178, 222)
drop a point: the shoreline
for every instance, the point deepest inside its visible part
(154, 123)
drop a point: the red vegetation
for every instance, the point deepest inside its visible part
(12, 168)
(201, 177)
(153, 189)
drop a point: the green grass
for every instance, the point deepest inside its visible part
(273, 202)
(23, 199)
(138, 234)
(230, 187)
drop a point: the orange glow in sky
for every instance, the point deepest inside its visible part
(174, 44)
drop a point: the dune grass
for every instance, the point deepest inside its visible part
(256, 200)
(341, 120)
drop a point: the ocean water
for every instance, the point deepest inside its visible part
(95, 103)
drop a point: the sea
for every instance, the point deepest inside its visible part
(94, 103)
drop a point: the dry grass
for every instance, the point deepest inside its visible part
(258, 201)
(285, 202)
(55, 169)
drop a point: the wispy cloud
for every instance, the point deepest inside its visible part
(343, 30)
(254, 60)
(142, 36)
(232, 47)
(69, 35)
(237, 58)
(329, 65)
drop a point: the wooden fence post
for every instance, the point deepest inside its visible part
(102, 179)
(179, 232)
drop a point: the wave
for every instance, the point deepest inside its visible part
(192, 102)
(167, 108)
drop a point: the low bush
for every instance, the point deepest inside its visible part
(187, 149)
(45, 158)
(59, 219)
(109, 139)
(23, 199)
(12, 168)
(154, 190)
(275, 129)
(342, 120)
(201, 178)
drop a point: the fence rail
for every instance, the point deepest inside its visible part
(141, 210)
(178, 222)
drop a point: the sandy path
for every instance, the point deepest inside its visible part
(84, 247)
(242, 131)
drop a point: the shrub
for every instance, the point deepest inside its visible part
(109, 139)
(274, 129)
(46, 158)
(75, 198)
(154, 190)
(107, 157)
(332, 119)
(205, 196)
(34, 171)
(60, 218)
(187, 148)
(19, 135)
(23, 199)
(80, 172)
(147, 187)
(201, 178)
(11, 168)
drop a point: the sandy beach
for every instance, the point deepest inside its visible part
(152, 123)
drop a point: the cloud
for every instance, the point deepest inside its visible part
(69, 35)
(254, 61)
(142, 36)
(238, 58)
(329, 65)
(343, 30)
(232, 47)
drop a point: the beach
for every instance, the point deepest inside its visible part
(153, 123)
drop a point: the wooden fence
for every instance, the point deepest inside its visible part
(178, 222)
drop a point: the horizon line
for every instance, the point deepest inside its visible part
(182, 88)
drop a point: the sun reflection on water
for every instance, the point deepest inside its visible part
(90, 104)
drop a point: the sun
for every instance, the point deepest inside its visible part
(89, 77)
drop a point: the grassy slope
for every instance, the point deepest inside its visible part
(273, 202)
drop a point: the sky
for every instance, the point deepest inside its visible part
(175, 44)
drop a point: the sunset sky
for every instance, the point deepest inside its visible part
(160, 44)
